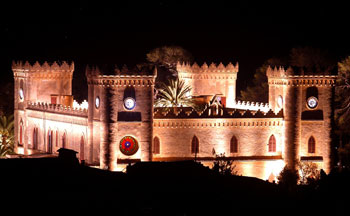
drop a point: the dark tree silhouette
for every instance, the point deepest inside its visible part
(165, 59)
(257, 92)
(288, 178)
(224, 165)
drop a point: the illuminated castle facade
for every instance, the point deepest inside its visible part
(119, 124)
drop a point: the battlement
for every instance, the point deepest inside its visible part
(280, 76)
(212, 112)
(290, 73)
(278, 72)
(26, 67)
(83, 105)
(247, 105)
(57, 108)
(211, 69)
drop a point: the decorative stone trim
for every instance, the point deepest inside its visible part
(57, 108)
(236, 158)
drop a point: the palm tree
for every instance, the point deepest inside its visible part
(175, 94)
(6, 133)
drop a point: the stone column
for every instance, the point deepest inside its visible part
(328, 118)
(292, 125)
(104, 129)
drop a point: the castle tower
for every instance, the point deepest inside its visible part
(120, 117)
(306, 103)
(38, 83)
(211, 80)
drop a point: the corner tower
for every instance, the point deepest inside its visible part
(306, 103)
(120, 116)
(38, 83)
(211, 80)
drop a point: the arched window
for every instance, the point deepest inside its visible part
(195, 145)
(20, 135)
(272, 144)
(35, 138)
(129, 91)
(64, 140)
(82, 144)
(49, 141)
(56, 138)
(20, 142)
(156, 145)
(233, 145)
(311, 145)
(311, 91)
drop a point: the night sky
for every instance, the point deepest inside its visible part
(101, 32)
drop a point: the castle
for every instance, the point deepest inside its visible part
(119, 124)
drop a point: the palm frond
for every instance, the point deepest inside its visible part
(174, 94)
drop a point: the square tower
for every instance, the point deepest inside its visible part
(307, 110)
(211, 80)
(120, 116)
(38, 83)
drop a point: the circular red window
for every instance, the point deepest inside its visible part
(128, 145)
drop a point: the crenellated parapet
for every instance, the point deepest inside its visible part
(210, 79)
(45, 70)
(205, 71)
(247, 105)
(211, 112)
(57, 108)
(278, 72)
(281, 76)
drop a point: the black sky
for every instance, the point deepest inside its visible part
(122, 33)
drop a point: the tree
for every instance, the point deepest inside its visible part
(165, 59)
(309, 173)
(342, 111)
(288, 178)
(309, 59)
(174, 94)
(343, 94)
(258, 91)
(7, 135)
(223, 165)
(344, 155)
(6, 98)
(302, 59)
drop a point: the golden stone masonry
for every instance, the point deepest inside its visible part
(119, 123)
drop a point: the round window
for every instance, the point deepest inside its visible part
(312, 102)
(97, 102)
(128, 145)
(280, 101)
(129, 103)
(21, 94)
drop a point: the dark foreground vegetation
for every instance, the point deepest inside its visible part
(59, 185)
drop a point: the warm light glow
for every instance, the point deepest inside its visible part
(247, 105)
(83, 105)
(20, 150)
(230, 100)
(274, 168)
(220, 148)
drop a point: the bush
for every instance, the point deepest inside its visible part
(288, 177)
(224, 165)
(309, 173)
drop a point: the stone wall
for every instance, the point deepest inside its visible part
(75, 128)
(107, 120)
(176, 135)
(302, 122)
